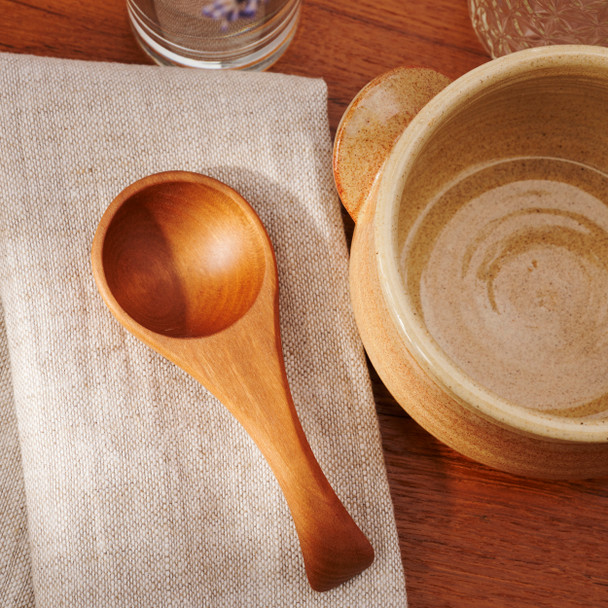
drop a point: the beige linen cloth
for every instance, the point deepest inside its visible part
(123, 482)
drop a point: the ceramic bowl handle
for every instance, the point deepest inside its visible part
(373, 121)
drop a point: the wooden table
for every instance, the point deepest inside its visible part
(470, 537)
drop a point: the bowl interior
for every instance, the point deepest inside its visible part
(493, 220)
(183, 259)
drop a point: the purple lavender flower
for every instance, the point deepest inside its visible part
(231, 10)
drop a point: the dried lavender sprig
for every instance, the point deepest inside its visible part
(231, 10)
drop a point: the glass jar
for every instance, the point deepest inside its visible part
(504, 26)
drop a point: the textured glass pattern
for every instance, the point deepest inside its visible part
(504, 26)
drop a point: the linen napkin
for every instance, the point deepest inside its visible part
(140, 488)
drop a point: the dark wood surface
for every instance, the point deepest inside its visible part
(470, 537)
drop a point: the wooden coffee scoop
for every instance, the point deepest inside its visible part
(185, 264)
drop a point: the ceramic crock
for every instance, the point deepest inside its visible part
(382, 134)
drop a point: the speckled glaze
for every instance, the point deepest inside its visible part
(413, 156)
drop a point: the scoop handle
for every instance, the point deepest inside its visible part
(253, 386)
(371, 125)
(333, 547)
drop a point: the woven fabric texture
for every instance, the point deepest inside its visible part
(140, 488)
(15, 569)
